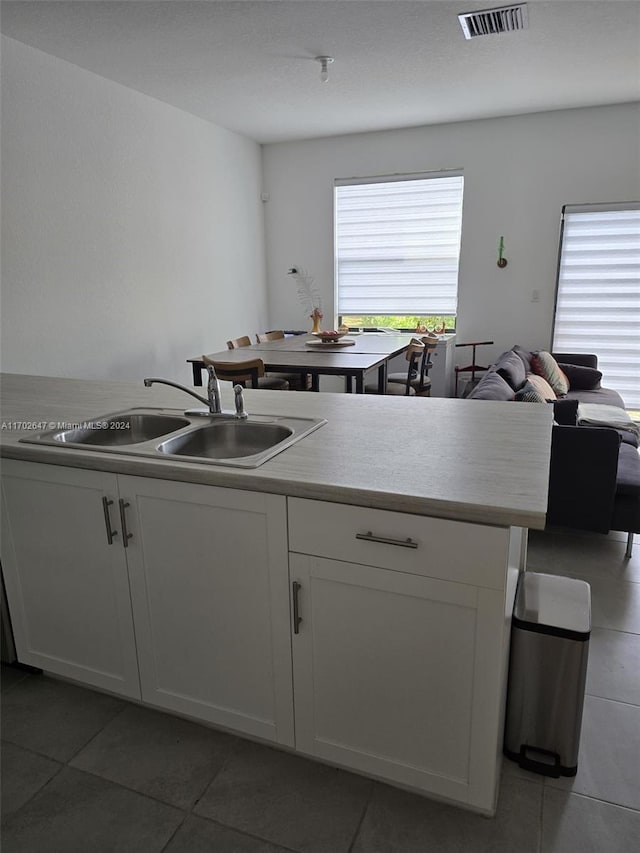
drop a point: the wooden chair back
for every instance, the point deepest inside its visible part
(238, 372)
(429, 347)
(236, 343)
(269, 336)
(415, 348)
(419, 355)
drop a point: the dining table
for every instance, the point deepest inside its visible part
(352, 357)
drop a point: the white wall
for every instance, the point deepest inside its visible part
(133, 233)
(519, 172)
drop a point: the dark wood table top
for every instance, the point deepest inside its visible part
(294, 354)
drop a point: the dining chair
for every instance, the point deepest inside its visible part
(269, 336)
(236, 343)
(415, 380)
(243, 372)
(297, 381)
(419, 355)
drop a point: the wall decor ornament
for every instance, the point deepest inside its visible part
(308, 295)
(502, 261)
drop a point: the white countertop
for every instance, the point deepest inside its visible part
(467, 460)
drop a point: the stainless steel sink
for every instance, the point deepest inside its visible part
(166, 433)
(227, 440)
(119, 430)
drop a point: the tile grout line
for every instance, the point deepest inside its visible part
(95, 735)
(541, 818)
(232, 751)
(244, 834)
(616, 701)
(362, 817)
(186, 812)
(174, 833)
(610, 699)
(616, 630)
(35, 793)
(593, 799)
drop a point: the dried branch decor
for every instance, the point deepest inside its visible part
(308, 293)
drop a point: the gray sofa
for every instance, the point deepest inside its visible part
(594, 481)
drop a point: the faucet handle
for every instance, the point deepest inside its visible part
(239, 399)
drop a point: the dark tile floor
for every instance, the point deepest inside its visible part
(85, 772)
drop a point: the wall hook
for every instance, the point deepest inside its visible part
(502, 262)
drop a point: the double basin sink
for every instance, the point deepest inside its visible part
(163, 433)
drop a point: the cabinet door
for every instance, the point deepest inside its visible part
(208, 570)
(442, 372)
(398, 676)
(67, 587)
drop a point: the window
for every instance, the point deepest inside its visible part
(397, 247)
(598, 292)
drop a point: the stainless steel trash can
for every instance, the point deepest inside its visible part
(547, 673)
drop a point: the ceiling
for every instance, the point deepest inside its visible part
(249, 66)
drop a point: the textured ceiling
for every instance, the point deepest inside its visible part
(249, 66)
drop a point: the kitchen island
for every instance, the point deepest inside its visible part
(349, 599)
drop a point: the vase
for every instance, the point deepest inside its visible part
(316, 322)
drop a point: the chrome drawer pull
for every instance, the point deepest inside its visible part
(106, 503)
(296, 611)
(123, 521)
(403, 543)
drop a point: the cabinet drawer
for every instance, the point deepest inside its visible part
(438, 548)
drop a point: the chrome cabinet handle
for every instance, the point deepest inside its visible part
(296, 607)
(402, 543)
(106, 503)
(123, 521)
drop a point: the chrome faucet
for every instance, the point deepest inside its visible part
(212, 401)
(213, 391)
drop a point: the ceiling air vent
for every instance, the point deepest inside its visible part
(506, 19)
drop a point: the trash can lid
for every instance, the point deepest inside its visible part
(554, 602)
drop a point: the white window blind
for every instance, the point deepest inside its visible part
(598, 295)
(398, 245)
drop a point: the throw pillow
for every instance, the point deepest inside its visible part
(542, 386)
(581, 378)
(545, 365)
(511, 368)
(529, 394)
(525, 355)
(492, 387)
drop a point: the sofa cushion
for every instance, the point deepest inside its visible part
(599, 395)
(525, 355)
(542, 386)
(586, 359)
(529, 394)
(581, 378)
(545, 365)
(511, 368)
(628, 437)
(628, 477)
(492, 387)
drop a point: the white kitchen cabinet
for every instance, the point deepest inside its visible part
(67, 585)
(396, 662)
(398, 674)
(201, 572)
(209, 586)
